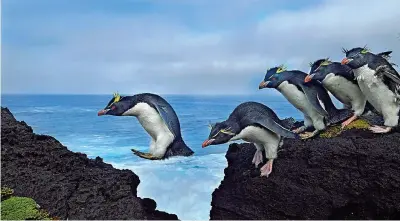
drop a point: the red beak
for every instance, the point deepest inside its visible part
(101, 112)
(345, 61)
(262, 85)
(307, 79)
(207, 143)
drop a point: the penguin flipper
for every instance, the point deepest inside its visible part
(274, 127)
(385, 54)
(163, 111)
(313, 98)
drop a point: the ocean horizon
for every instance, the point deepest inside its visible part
(179, 185)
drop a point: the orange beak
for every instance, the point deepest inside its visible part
(207, 143)
(101, 112)
(345, 61)
(308, 78)
(262, 85)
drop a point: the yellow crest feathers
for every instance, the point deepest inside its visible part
(117, 97)
(281, 68)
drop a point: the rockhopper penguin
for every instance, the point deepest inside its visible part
(310, 98)
(340, 81)
(159, 120)
(379, 82)
(256, 123)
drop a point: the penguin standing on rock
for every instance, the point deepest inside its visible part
(256, 123)
(310, 98)
(159, 120)
(379, 82)
(340, 81)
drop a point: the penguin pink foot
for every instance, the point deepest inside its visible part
(379, 129)
(348, 121)
(299, 130)
(267, 168)
(258, 158)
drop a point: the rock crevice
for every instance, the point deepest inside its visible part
(67, 184)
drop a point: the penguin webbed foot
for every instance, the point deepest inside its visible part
(379, 129)
(258, 158)
(266, 170)
(299, 129)
(348, 121)
(308, 135)
(143, 155)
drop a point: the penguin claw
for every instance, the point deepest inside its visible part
(147, 156)
(266, 170)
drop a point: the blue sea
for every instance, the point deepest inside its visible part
(180, 185)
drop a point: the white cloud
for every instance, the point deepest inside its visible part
(101, 53)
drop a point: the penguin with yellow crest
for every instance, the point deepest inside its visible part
(159, 120)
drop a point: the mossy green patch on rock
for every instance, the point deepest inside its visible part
(6, 193)
(336, 130)
(21, 208)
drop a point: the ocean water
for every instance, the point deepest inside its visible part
(180, 185)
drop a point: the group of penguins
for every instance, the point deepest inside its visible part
(365, 82)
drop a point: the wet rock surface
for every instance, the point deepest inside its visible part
(353, 176)
(67, 184)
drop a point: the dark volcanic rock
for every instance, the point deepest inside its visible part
(353, 176)
(67, 184)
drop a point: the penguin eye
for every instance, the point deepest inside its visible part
(113, 107)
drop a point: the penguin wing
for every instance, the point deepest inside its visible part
(314, 98)
(392, 76)
(275, 127)
(165, 115)
(385, 54)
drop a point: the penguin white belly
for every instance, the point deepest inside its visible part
(260, 136)
(378, 94)
(299, 100)
(346, 92)
(154, 125)
(256, 135)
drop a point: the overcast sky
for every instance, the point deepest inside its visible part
(180, 46)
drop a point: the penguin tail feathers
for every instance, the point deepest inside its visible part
(339, 116)
(178, 148)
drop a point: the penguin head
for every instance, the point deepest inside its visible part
(274, 77)
(116, 106)
(356, 57)
(318, 70)
(221, 132)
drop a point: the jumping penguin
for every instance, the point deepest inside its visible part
(310, 98)
(340, 81)
(159, 120)
(379, 82)
(256, 123)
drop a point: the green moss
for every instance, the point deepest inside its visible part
(6, 193)
(335, 130)
(21, 208)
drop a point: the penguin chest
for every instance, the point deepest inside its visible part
(255, 134)
(297, 98)
(345, 91)
(376, 92)
(150, 120)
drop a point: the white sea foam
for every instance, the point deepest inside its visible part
(180, 185)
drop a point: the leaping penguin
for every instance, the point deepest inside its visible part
(339, 80)
(310, 98)
(379, 82)
(256, 123)
(159, 120)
